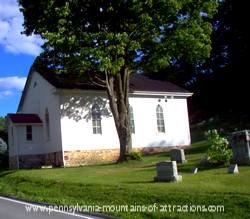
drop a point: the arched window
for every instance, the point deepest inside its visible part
(96, 119)
(160, 119)
(132, 122)
(47, 124)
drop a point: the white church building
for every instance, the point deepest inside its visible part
(65, 123)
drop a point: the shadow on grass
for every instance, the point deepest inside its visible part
(197, 149)
(6, 172)
(148, 166)
(140, 182)
(186, 168)
(210, 167)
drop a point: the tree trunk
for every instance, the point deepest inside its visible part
(118, 94)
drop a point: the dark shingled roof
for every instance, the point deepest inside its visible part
(142, 83)
(25, 118)
(138, 82)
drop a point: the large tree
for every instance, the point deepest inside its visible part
(111, 39)
(220, 81)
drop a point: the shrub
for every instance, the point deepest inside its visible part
(219, 151)
(136, 155)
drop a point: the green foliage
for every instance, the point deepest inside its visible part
(109, 35)
(2, 123)
(4, 135)
(3, 129)
(4, 156)
(135, 155)
(115, 38)
(219, 151)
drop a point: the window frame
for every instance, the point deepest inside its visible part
(29, 133)
(96, 120)
(47, 124)
(131, 120)
(160, 119)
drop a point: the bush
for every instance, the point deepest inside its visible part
(4, 135)
(219, 152)
(136, 155)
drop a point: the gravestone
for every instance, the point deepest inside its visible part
(240, 143)
(178, 155)
(193, 170)
(167, 172)
(233, 168)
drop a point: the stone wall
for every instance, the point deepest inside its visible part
(13, 162)
(83, 157)
(36, 160)
(54, 159)
(76, 158)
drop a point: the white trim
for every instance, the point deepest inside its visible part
(154, 93)
(147, 93)
(24, 124)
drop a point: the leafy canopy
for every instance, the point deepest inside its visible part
(2, 123)
(106, 35)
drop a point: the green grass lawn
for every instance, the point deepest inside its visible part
(131, 184)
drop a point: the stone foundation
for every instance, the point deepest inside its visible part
(83, 157)
(36, 160)
(13, 162)
(54, 159)
(76, 158)
(31, 161)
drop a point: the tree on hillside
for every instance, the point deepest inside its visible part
(3, 129)
(111, 39)
(2, 123)
(218, 83)
(221, 83)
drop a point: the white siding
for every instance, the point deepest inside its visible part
(18, 145)
(76, 124)
(29, 147)
(41, 95)
(175, 118)
(71, 124)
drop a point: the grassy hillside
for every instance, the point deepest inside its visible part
(131, 184)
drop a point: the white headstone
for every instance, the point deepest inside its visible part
(178, 155)
(233, 168)
(167, 172)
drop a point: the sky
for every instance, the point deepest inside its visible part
(17, 53)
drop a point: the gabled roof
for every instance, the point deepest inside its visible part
(21, 118)
(138, 82)
(142, 83)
